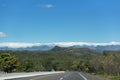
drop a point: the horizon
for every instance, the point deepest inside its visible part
(60, 44)
(49, 21)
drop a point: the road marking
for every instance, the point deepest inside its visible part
(61, 78)
(39, 77)
(83, 76)
(44, 76)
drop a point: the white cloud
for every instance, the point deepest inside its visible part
(68, 44)
(2, 35)
(18, 44)
(61, 44)
(47, 6)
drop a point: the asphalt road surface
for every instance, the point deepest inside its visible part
(61, 76)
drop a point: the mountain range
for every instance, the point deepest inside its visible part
(49, 46)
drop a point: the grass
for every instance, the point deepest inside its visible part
(106, 77)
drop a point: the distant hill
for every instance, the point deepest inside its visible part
(77, 51)
(49, 46)
(100, 47)
(33, 48)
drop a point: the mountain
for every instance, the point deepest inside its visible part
(77, 51)
(33, 48)
(100, 47)
(49, 46)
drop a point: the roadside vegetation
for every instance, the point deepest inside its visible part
(105, 64)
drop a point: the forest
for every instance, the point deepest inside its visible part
(61, 59)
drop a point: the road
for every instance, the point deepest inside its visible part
(61, 76)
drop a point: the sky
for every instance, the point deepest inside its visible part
(59, 20)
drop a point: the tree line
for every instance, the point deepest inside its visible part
(29, 61)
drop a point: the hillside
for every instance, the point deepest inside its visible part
(76, 51)
(64, 59)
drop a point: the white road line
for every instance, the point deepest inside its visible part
(61, 78)
(83, 76)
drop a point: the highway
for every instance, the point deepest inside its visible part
(61, 76)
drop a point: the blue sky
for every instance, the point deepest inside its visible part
(59, 20)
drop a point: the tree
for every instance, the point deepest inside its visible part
(8, 63)
(28, 66)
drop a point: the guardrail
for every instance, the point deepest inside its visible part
(21, 75)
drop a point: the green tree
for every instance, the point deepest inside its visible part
(28, 66)
(8, 63)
